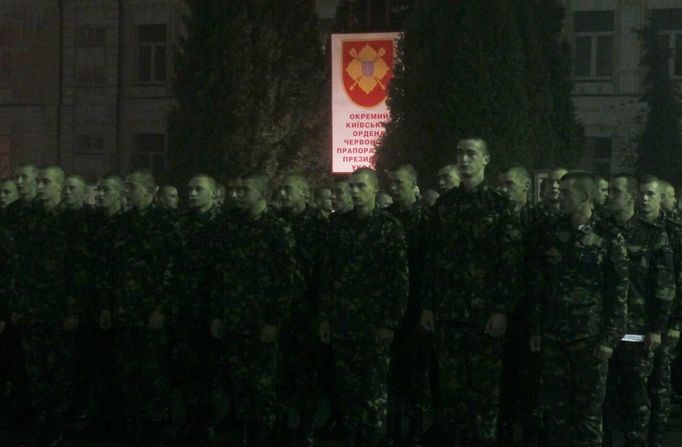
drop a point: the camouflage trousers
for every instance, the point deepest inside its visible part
(469, 370)
(660, 390)
(362, 376)
(251, 371)
(627, 398)
(573, 389)
(48, 354)
(142, 367)
(520, 390)
(194, 364)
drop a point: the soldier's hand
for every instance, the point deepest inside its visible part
(602, 352)
(268, 334)
(535, 343)
(2, 327)
(325, 333)
(70, 324)
(16, 318)
(216, 328)
(156, 321)
(105, 320)
(384, 336)
(497, 325)
(652, 341)
(427, 321)
(673, 336)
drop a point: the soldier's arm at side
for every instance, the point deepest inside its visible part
(396, 272)
(615, 292)
(664, 294)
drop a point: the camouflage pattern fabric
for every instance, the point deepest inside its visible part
(255, 275)
(580, 301)
(365, 287)
(472, 255)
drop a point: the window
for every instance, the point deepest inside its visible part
(597, 157)
(593, 48)
(152, 53)
(91, 35)
(669, 22)
(89, 144)
(150, 151)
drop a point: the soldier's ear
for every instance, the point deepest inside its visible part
(486, 159)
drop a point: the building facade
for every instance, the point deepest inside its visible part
(608, 80)
(87, 83)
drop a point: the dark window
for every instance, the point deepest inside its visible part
(152, 57)
(89, 144)
(668, 19)
(593, 45)
(150, 151)
(91, 35)
(677, 70)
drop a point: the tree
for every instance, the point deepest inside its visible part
(494, 69)
(660, 145)
(248, 80)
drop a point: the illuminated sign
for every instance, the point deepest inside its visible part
(362, 68)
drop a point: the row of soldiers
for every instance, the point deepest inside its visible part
(477, 313)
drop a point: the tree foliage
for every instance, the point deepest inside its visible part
(660, 145)
(495, 69)
(249, 78)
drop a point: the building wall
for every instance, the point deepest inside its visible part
(609, 105)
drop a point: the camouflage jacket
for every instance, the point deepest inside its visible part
(310, 232)
(365, 275)
(472, 256)
(413, 221)
(581, 284)
(42, 295)
(652, 279)
(673, 229)
(255, 273)
(7, 271)
(196, 266)
(141, 269)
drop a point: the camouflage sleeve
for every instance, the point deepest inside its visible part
(327, 271)
(172, 245)
(284, 273)
(508, 258)
(537, 290)
(664, 278)
(396, 276)
(615, 292)
(675, 237)
(7, 264)
(429, 255)
(216, 299)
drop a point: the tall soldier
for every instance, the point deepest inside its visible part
(299, 342)
(412, 348)
(660, 386)
(519, 395)
(44, 311)
(193, 347)
(580, 299)
(141, 283)
(364, 294)
(256, 267)
(650, 297)
(469, 289)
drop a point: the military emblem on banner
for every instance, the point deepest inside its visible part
(367, 69)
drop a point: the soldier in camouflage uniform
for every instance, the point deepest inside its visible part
(44, 309)
(256, 270)
(299, 342)
(579, 312)
(342, 202)
(323, 200)
(8, 193)
(519, 395)
(364, 294)
(448, 178)
(669, 200)
(660, 386)
(194, 350)
(472, 252)
(412, 347)
(141, 274)
(549, 189)
(650, 297)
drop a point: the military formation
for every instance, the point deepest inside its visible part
(281, 314)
